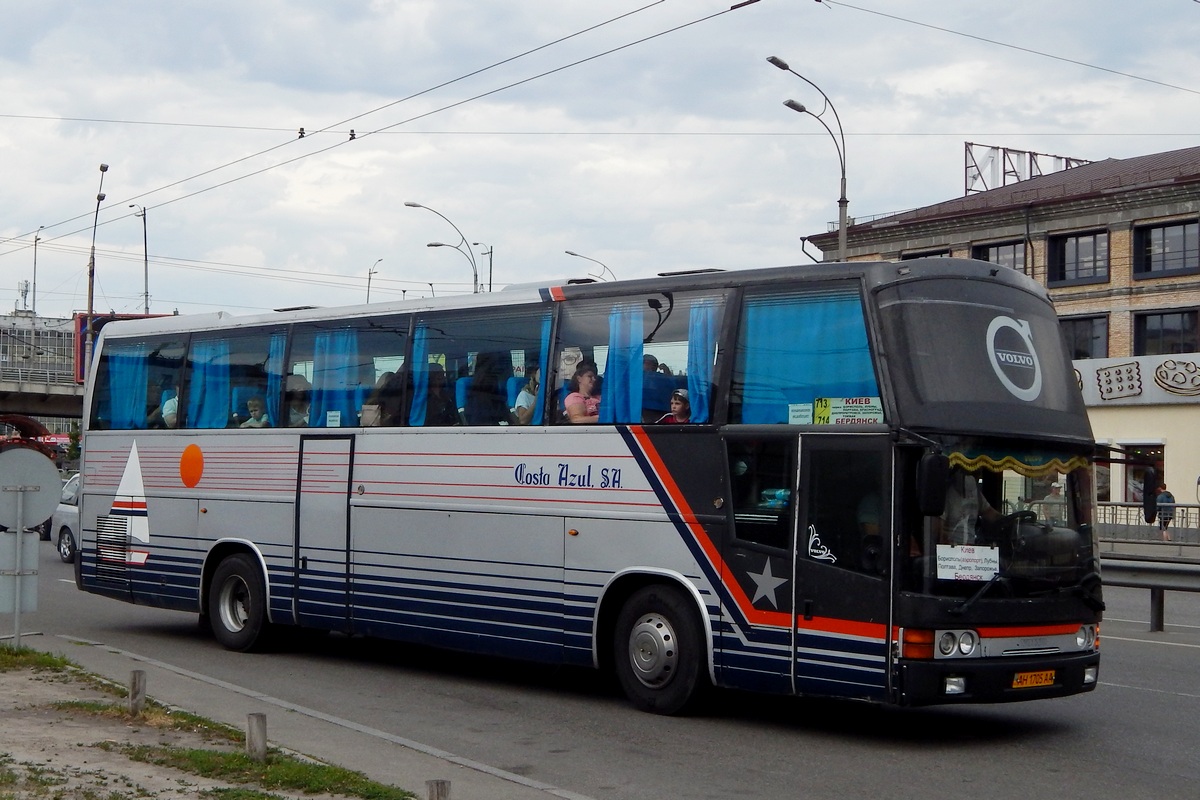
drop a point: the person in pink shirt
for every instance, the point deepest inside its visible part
(583, 401)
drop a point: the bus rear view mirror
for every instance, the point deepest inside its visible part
(933, 474)
(1150, 494)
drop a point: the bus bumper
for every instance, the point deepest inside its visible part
(922, 683)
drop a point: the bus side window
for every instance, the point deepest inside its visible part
(645, 347)
(762, 476)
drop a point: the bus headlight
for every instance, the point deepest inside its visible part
(1085, 637)
(957, 644)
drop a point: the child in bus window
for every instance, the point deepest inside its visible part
(681, 409)
(258, 413)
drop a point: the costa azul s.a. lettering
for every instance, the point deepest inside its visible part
(569, 475)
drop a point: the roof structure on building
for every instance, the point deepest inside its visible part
(1094, 179)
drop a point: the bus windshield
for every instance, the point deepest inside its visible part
(1020, 518)
(979, 359)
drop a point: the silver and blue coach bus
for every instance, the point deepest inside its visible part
(859, 504)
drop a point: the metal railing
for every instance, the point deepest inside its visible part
(37, 375)
(1124, 522)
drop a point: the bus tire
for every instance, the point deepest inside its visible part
(237, 604)
(658, 646)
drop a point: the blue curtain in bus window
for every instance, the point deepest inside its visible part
(622, 392)
(798, 348)
(702, 346)
(209, 391)
(128, 375)
(539, 410)
(335, 379)
(420, 373)
(275, 378)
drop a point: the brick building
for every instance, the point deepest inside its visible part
(1117, 244)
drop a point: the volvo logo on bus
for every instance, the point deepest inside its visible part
(1010, 347)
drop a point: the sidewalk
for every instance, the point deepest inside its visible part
(379, 755)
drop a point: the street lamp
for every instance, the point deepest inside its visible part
(467, 254)
(371, 272)
(462, 244)
(839, 141)
(37, 237)
(603, 267)
(432, 293)
(141, 212)
(487, 253)
(90, 339)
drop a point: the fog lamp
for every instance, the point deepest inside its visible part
(1089, 675)
(955, 685)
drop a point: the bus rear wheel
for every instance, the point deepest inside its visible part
(237, 604)
(658, 647)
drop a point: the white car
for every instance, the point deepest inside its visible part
(64, 525)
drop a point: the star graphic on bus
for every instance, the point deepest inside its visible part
(765, 584)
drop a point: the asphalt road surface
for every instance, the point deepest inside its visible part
(1135, 737)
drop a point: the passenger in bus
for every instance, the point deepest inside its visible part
(681, 409)
(486, 403)
(966, 508)
(166, 415)
(258, 413)
(296, 400)
(583, 399)
(527, 399)
(440, 408)
(382, 406)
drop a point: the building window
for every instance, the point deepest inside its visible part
(1167, 249)
(1079, 258)
(1011, 255)
(1086, 337)
(926, 254)
(1164, 333)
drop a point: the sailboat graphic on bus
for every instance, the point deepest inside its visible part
(126, 523)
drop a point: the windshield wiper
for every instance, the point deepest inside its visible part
(962, 608)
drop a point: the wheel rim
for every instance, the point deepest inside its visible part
(234, 604)
(653, 650)
(64, 544)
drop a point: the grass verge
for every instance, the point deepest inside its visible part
(280, 771)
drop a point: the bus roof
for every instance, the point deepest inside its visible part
(872, 274)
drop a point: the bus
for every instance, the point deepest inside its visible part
(856, 504)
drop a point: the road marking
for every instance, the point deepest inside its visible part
(344, 723)
(1105, 637)
(1147, 622)
(1188, 695)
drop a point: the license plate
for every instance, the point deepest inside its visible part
(1027, 680)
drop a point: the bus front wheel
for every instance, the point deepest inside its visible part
(658, 644)
(237, 603)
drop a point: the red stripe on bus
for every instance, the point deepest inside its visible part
(556, 294)
(846, 627)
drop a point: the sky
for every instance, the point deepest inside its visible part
(648, 136)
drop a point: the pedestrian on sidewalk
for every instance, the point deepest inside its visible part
(1166, 511)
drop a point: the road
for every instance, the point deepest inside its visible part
(1134, 737)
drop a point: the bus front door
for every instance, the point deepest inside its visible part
(322, 532)
(842, 566)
